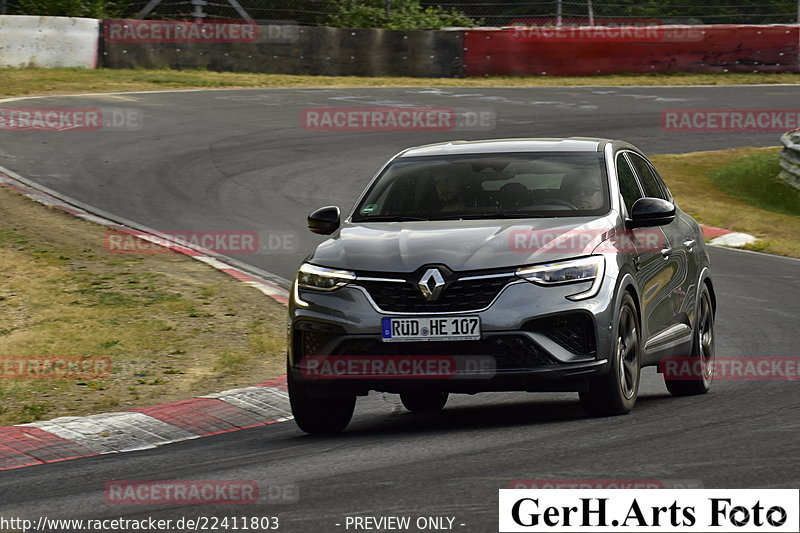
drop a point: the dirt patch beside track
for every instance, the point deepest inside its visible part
(172, 326)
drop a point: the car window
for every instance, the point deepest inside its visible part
(647, 178)
(660, 181)
(627, 183)
(516, 185)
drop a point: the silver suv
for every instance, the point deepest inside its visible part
(500, 265)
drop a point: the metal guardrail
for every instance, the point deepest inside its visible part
(790, 158)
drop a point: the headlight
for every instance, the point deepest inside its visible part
(573, 271)
(323, 279)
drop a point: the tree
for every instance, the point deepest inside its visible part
(98, 9)
(395, 15)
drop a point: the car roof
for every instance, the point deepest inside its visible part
(487, 146)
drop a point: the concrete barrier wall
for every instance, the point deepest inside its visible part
(49, 42)
(286, 50)
(69, 42)
(570, 52)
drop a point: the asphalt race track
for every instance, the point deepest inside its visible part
(240, 160)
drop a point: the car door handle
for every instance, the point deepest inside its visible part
(665, 252)
(689, 243)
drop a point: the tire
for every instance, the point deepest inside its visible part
(319, 414)
(617, 391)
(424, 401)
(701, 375)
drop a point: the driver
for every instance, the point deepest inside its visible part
(584, 193)
(450, 189)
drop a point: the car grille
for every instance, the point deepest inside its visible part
(510, 352)
(313, 341)
(458, 296)
(310, 338)
(573, 332)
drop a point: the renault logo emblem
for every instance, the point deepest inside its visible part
(431, 284)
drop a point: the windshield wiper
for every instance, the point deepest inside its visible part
(391, 219)
(468, 216)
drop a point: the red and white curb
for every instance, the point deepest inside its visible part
(726, 237)
(72, 437)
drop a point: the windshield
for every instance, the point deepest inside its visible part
(518, 185)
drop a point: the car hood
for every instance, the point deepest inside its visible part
(460, 244)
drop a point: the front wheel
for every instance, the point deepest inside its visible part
(424, 401)
(616, 392)
(700, 376)
(317, 414)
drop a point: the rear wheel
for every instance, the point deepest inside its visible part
(616, 392)
(424, 401)
(701, 361)
(319, 414)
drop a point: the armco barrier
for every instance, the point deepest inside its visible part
(293, 50)
(49, 42)
(790, 158)
(719, 48)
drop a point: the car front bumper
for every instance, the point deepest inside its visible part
(533, 338)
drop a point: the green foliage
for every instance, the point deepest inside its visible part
(502, 12)
(754, 180)
(395, 15)
(739, 12)
(99, 9)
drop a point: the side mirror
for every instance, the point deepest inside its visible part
(649, 212)
(324, 220)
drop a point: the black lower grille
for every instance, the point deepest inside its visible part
(510, 352)
(313, 341)
(458, 296)
(310, 338)
(574, 332)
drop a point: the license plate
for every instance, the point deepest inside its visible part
(460, 328)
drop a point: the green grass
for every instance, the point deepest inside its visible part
(230, 360)
(754, 179)
(689, 177)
